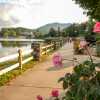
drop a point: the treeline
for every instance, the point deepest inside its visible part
(54, 33)
(17, 32)
(13, 32)
(82, 29)
(73, 30)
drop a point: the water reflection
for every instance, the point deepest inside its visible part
(10, 47)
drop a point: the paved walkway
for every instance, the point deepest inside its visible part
(41, 79)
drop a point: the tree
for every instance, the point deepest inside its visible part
(5, 32)
(89, 26)
(92, 7)
(37, 34)
(72, 30)
(59, 33)
(64, 34)
(52, 32)
(12, 32)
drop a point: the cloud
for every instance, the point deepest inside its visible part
(13, 12)
(7, 23)
(22, 2)
(35, 13)
(6, 19)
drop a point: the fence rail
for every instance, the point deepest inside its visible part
(14, 56)
(44, 50)
(9, 57)
(22, 40)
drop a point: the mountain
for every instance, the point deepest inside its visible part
(45, 29)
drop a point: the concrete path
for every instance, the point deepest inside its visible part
(41, 79)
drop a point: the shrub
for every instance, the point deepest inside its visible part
(83, 83)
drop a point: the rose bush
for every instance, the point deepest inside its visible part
(84, 82)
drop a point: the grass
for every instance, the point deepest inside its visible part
(12, 62)
(6, 78)
(14, 73)
(7, 64)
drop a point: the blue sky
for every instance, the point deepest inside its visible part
(35, 13)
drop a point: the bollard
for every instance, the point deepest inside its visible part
(20, 58)
(76, 43)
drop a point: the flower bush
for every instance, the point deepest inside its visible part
(84, 82)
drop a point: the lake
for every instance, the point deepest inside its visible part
(11, 47)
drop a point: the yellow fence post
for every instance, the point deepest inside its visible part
(20, 58)
(46, 50)
(40, 53)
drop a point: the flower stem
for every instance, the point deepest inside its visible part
(89, 53)
(57, 98)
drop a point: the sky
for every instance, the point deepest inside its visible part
(35, 13)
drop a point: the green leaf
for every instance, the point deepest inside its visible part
(61, 79)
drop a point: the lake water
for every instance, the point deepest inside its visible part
(7, 48)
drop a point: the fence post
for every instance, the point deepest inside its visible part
(46, 50)
(20, 58)
(54, 45)
(61, 43)
(37, 51)
(76, 43)
(40, 53)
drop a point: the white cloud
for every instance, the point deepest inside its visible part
(34, 13)
(6, 19)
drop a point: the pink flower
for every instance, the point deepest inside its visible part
(55, 93)
(97, 27)
(83, 44)
(39, 97)
(57, 60)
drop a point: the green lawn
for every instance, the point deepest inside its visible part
(14, 73)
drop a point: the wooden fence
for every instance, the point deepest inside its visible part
(19, 55)
(44, 50)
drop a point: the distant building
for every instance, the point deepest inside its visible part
(27, 35)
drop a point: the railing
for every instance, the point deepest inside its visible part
(22, 40)
(47, 49)
(44, 50)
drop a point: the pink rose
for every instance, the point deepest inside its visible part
(97, 27)
(57, 60)
(83, 44)
(55, 93)
(39, 97)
